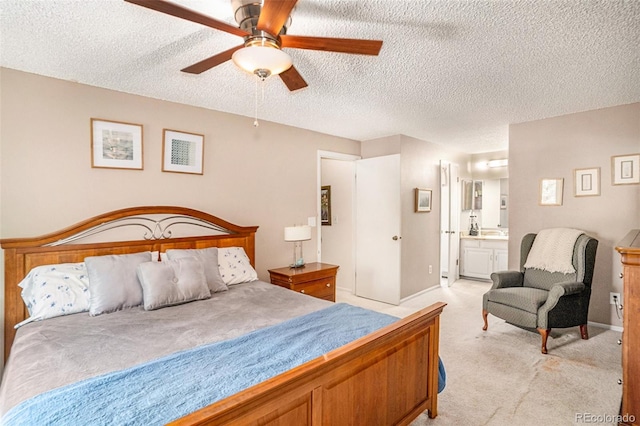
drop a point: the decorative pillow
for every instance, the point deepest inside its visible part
(209, 259)
(113, 282)
(54, 290)
(172, 282)
(234, 265)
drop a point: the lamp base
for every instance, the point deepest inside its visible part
(296, 266)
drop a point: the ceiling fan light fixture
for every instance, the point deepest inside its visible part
(262, 60)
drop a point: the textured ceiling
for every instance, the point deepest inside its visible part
(449, 72)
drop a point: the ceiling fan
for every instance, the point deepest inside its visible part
(263, 25)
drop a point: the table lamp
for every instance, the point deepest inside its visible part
(297, 234)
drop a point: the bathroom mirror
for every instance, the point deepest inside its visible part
(467, 189)
(495, 204)
(471, 195)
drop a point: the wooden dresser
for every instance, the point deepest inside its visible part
(629, 249)
(314, 279)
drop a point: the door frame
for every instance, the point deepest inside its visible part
(331, 155)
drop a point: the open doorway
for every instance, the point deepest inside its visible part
(336, 233)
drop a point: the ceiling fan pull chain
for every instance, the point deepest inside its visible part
(261, 101)
(255, 122)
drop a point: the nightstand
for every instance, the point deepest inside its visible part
(315, 279)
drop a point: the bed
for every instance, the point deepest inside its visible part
(384, 374)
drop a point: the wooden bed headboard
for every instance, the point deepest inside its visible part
(158, 224)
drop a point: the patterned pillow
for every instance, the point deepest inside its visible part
(234, 266)
(54, 290)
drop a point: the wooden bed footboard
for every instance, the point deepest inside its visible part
(388, 377)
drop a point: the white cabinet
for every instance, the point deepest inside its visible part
(482, 257)
(500, 260)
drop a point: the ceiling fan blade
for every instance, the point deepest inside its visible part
(342, 45)
(274, 15)
(211, 62)
(188, 14)
(292, 79)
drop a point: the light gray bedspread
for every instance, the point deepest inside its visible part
(58, 351)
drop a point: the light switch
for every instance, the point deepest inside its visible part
(311, 221)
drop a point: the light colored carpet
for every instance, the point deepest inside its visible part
(499, 377)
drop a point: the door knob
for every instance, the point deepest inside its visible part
(396, 238)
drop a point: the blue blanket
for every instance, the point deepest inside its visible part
(154, 392)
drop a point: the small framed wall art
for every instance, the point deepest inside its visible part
(625, 169)
(586, 182)
(116, 145)
(551, 191)
(182, 152)
(422, 200)
(325, 205)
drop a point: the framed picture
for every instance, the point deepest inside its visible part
(423, 200)
(625, 169)
(503, 202)
(551, 191)
(325, 205)
(586, 182)
(182, 152)
(116, 145)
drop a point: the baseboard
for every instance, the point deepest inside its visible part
(419, 293)
(606, 326)
(348, 290)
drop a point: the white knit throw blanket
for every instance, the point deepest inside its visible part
(552, 250)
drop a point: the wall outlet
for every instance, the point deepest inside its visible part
(615, 298)
(431, 269)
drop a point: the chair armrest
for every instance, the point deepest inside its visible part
(567, 288)
(562, 289)
(555, 294)
(505, 279)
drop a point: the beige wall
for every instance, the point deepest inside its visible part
(420, 164)
(262, 176)
(553, 148)
(420, 168)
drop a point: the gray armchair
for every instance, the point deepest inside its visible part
(535, 298)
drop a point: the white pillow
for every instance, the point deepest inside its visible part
(54, 290)
(113, 282)
(172, 282)
(234, 266)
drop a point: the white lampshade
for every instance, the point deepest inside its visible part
(254, 58)
(297, 233)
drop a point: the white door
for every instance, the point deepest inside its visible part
(449, 221)
(378, 228)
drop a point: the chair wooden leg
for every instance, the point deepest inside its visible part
(584, 333)
(484, 317)
(545, 334)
